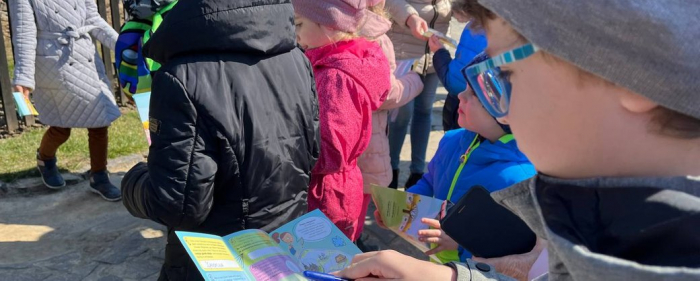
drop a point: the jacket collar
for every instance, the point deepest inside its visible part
(629, 228)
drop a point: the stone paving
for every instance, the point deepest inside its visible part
(73, 234)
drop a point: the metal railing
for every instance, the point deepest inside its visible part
(10, 122)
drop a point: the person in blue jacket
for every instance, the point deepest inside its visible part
(449, 70)
(483, 153)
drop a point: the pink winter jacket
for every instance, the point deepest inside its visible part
(375, 163)
(352, 80)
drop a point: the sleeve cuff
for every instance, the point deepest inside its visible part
(443, 52)
(476, 271)
(441, 59)
(25, 82)
(406, 13)
(131, 188)
(462, 271)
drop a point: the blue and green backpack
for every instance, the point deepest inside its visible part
(133, 68)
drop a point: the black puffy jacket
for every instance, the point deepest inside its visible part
(234, 124)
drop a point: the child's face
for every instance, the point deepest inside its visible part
(568, 127)
(473, 116)
(310, 35)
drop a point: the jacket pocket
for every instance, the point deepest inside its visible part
(48, 72)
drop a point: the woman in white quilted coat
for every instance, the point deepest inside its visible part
(57, 61)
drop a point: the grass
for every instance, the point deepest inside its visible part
(126, 137)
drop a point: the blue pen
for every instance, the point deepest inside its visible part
(318, 276)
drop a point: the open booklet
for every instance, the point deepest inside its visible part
(402, 212)
(311, 242)
(143, 102)
(443, 38)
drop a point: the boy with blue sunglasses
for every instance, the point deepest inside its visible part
(602, 96)
(483, 153)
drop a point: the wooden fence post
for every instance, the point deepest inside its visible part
(117, 24)
(116, 15)
(8, 103)
(106, 52)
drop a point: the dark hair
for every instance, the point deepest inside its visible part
(478, 13)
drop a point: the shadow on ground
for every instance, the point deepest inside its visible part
(73, 234)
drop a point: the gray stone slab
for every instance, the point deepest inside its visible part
(64, 263)
(128, 246)
(24, 275)
(111, 278)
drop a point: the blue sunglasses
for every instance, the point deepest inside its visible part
(490, 84)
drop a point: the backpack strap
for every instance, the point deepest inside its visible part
(157, 20)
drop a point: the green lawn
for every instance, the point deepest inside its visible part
(18, 160)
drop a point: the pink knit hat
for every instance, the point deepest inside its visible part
(343, 15)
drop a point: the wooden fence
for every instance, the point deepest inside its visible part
(10, 122)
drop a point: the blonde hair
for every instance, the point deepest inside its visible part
(337, 35)
(379, 10)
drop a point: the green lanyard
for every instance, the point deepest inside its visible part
(475, 144)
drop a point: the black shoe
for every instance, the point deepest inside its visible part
(100, 184)
(394, 179)
(413, 179)
(49, 173)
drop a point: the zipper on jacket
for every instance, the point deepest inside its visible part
(427, 46)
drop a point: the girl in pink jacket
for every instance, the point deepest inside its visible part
(352, 80)
(375, 163)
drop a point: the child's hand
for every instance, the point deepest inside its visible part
(436, 236)
(435, 44)
(390, 265)
(22, 89)
(378, 218)
(516, 266)
(418, 26)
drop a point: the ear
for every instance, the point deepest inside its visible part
(636, 103)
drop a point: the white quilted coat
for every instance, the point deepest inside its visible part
(55, 56)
